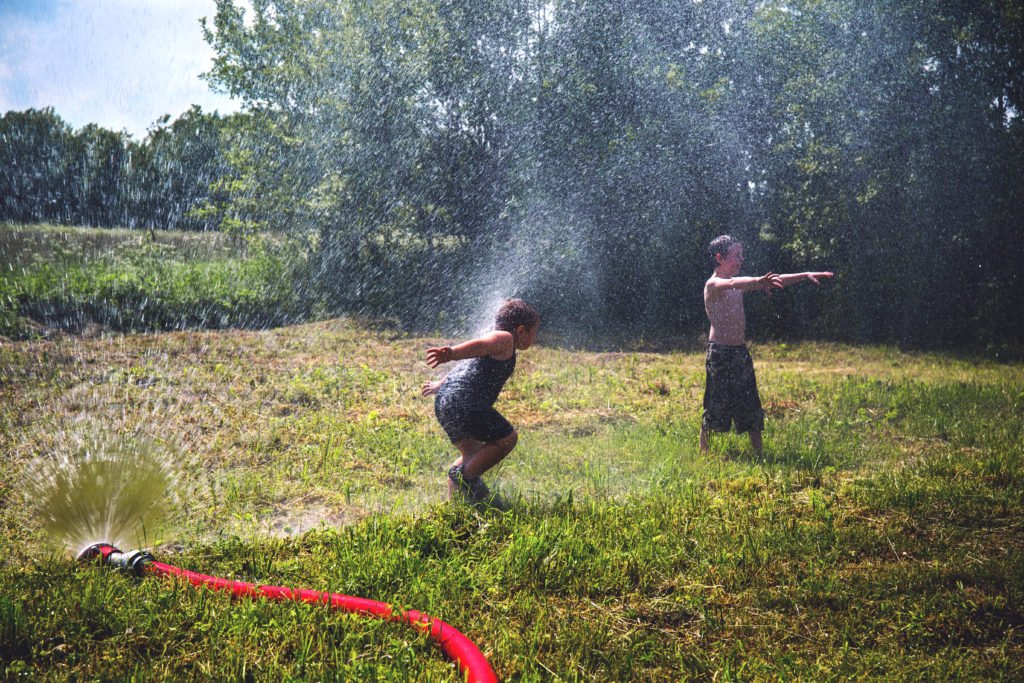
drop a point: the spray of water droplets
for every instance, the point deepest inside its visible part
(98, 486)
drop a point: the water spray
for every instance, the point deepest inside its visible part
(473, 664)
(106, 484)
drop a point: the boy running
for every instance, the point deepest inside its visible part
(464, 402)
(730, 393)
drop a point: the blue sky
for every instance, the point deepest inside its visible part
(121, 64)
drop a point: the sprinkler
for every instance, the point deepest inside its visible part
(475, 667)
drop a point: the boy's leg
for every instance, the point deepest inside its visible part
(718, 410)
(487, 455)
(467, 448)
(476, 459)
(755, 441)
(749, 413)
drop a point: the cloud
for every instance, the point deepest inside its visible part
(119, 63)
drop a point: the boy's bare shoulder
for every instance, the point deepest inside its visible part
(500, 344)
(713, 284)
(498, 336)
(499, 341)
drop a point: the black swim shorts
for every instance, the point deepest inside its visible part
(461, 419)
(730, 394)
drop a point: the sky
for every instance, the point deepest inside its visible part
(121, 64)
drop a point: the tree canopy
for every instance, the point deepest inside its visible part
(437, 154)
(50, 172)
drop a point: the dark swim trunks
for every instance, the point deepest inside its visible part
(730, 395)
(464, 403)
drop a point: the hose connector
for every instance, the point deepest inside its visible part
(133, 562)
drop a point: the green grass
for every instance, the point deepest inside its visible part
(879, 538)
(131, 280)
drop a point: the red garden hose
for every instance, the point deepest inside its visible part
(471, 661)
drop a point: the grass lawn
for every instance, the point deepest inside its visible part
(879, 538)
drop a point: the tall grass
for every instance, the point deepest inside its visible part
(131, 280)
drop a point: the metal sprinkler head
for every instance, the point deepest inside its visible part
(133, 562)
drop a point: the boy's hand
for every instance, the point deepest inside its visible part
(430, 388)
(770, 281)
(814, 277)
(438, 355)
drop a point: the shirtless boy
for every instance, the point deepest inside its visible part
(730, 393)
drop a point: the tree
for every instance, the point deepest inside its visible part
(100, 169)
(33, 158)
(175, 169)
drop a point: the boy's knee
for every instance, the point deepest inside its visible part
(510, 441)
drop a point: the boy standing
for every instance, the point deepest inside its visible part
(730, 393)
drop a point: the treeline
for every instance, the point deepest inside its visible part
(51, 173)
(437, 154)
(583, 153)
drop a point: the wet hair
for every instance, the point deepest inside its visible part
(513, 313)
(720, 245)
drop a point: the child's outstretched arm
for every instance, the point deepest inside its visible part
(793, 278)
(498, 344)
(766, 282)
